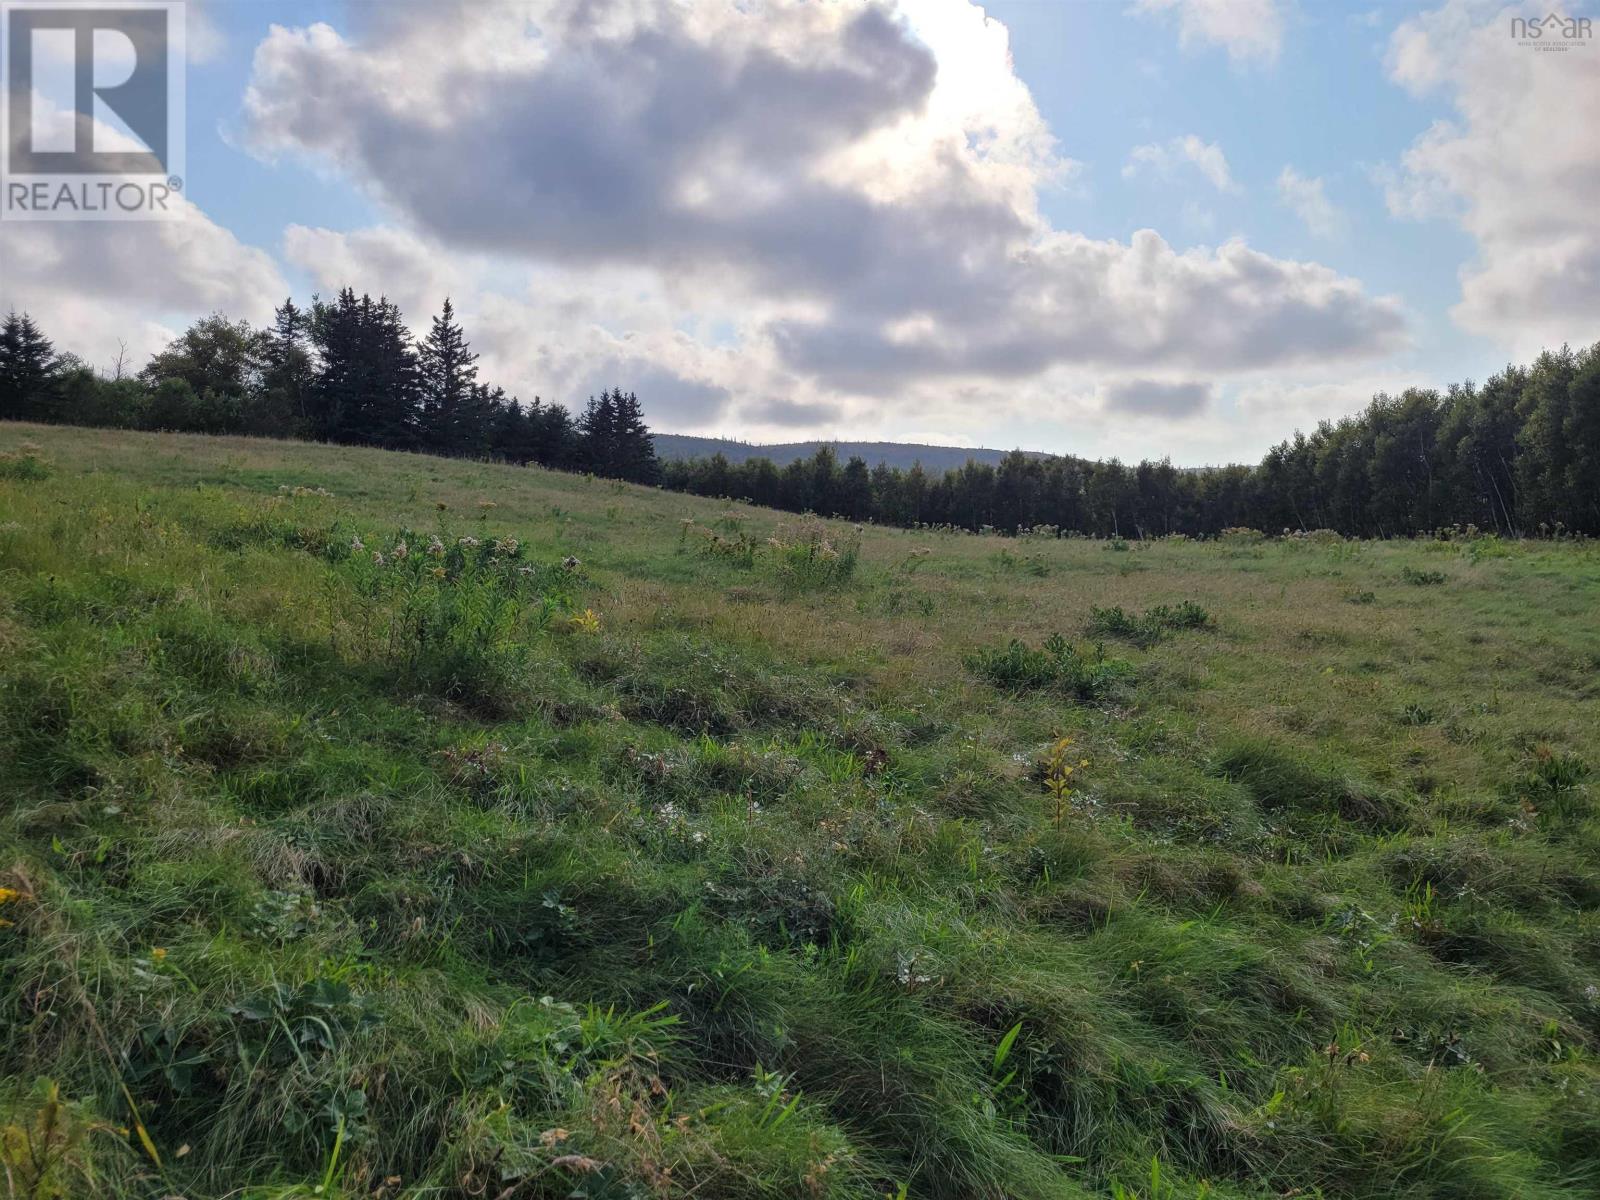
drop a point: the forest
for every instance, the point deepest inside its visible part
(1518, 454)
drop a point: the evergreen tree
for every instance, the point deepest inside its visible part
(27, 370)
(288, 376)
(555, 436)
(366, 386)
(855, 490)
(447, 372)
(597, 434)
(634, 449)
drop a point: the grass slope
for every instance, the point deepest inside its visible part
(608, 848)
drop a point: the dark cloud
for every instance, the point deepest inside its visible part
(1154, 398)
(674, 400)
(798, 413)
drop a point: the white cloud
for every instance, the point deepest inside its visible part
(1518, 168)
(1164, 158)
(94, 285)
(853, 190)
(1247, 29)
(1307, 199)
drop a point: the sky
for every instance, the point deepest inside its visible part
(1142, 228)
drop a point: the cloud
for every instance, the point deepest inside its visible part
(797, 413)
(852, 191)
(1280, 405)
(1247, 29)
(1306, 198)
(387, 261)
(1206, 157)
(1156, 398)
(1518, 168)
(93, 285)
(1073, 300)
(559, 336)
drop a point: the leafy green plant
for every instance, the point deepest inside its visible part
(25, 465)
(1418, 578)
(1152, 625)
(1056, 665)
(44, 1145)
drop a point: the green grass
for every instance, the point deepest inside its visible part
(644, 856)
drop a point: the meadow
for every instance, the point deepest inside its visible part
(377, 825)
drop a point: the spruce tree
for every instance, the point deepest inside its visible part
(27, 370)
(597, 435)
(635, 449)
(288, 375)
(366, 389)
(447, 373)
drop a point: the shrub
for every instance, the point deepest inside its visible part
(1422, 578)
(803, 555)
(456, 617)
(1241, 535)
(807, 559)
(1057, 666)
(1554, 784)
(1152, 626)
(24, 465)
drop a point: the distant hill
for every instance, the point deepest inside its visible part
(896, 454)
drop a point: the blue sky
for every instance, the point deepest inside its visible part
(1166, 227)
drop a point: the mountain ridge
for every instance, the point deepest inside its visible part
(674, 446)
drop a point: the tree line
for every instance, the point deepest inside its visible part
(1518, 455)
(346, 371)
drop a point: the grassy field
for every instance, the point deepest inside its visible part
(382, 826)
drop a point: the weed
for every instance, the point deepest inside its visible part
(1418, 578)
(24, 465)
(1151, 626)
(1057, 666)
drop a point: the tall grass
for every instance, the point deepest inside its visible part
(483, 871)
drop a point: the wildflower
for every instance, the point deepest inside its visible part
(401, 551)
(436, 572)
(356, 544)
(505, 545)
(571, 563)
(8, 895)
(586, 621)
(468, 542)
(435, 547)
(552, 1137)
(377, 558)
(158, 952)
